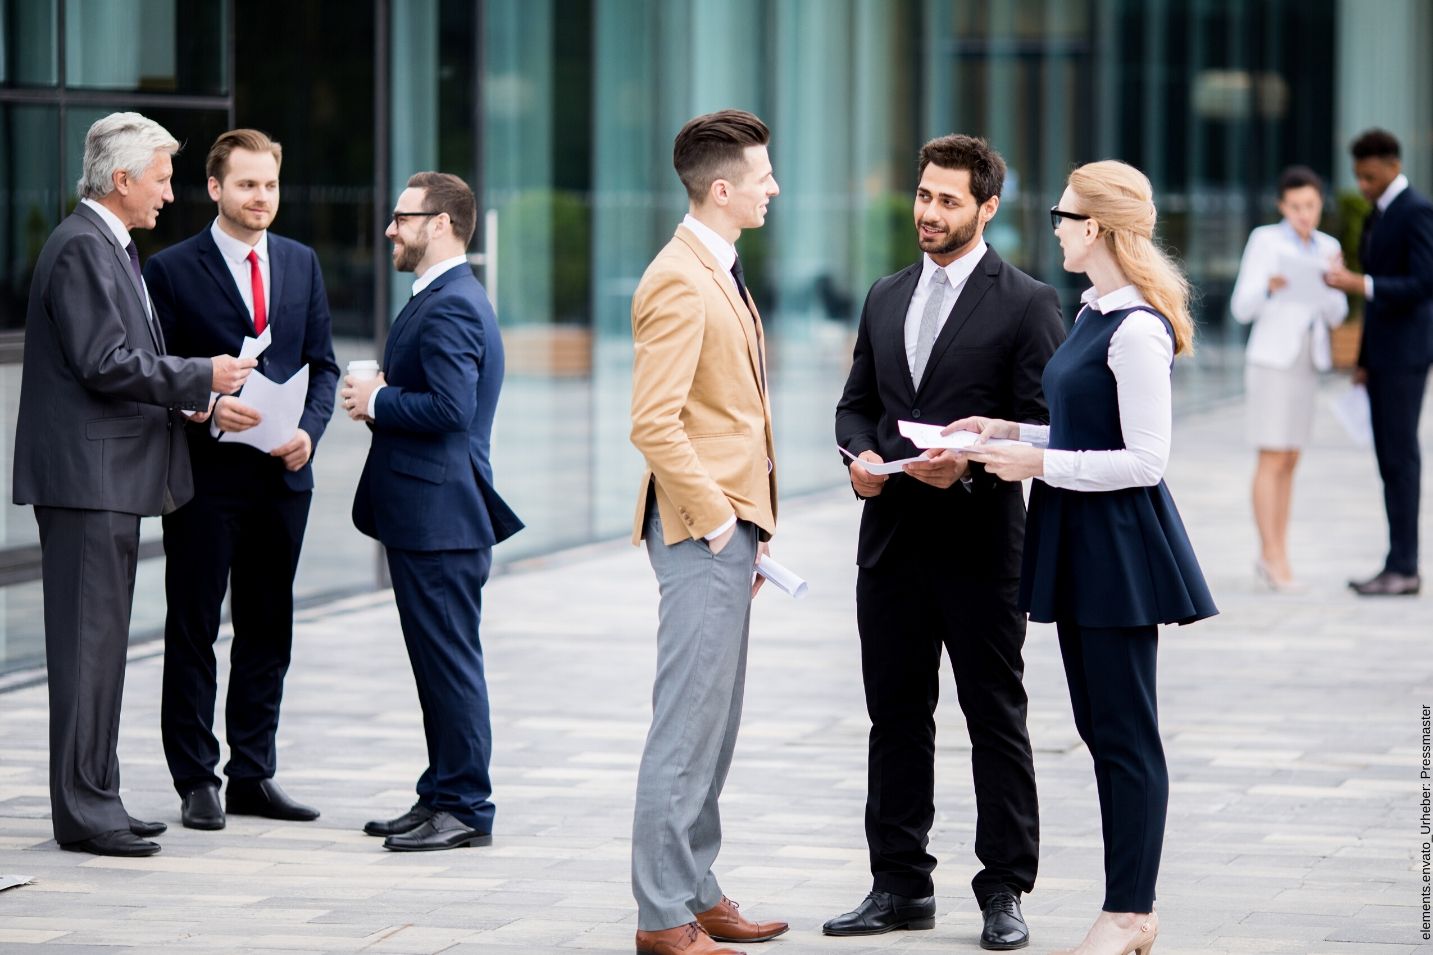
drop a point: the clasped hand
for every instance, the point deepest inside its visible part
(1009, 462)
(941, 468)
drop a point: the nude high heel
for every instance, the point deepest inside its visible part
(1107, 938)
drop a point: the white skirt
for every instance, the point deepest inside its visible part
(1279, 402)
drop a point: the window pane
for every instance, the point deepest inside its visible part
(29, 200)
(27, 42)
(153, 46)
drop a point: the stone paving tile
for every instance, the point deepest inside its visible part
(1291, 724)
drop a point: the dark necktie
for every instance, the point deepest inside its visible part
(740, 277)
(1366, 236)
(134, 264)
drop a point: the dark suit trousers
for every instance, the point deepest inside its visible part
(88, 561)
(1111, 673)
(908, 608)
(1395, 398)
(439, 598)
(250, 546)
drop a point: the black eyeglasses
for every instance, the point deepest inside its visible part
(1056, 214)
(400, 216)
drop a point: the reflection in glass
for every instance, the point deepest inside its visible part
(151, 46)
(27, 42)
(29, 200)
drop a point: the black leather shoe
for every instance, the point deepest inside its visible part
(141, 828)
(407, 822)
(1387, 584)
(883, 912)
(201, 809)
(441, 831)
(263, 797)
(1005, 927)
(117, 842)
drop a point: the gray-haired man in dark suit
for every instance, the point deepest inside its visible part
(96, 448)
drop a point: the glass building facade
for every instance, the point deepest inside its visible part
(561, 114)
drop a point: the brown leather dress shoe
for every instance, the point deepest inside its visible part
(687, 939)
(725, 924)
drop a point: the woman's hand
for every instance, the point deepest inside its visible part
(1010, 462)
(987, 428)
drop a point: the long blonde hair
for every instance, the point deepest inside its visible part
(1119, 198)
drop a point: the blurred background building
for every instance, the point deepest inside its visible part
(561, 113)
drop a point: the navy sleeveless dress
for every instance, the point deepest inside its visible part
(1103, 558)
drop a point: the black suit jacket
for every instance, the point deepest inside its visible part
(987, 360)
(96, 427)
(1398, 320)
(201, 312)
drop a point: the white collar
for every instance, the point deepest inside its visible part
(720, 248)
(1394, 188)
(437, 269)
(111, 220)
(1126, 296)
(957, 271)
(236, 250)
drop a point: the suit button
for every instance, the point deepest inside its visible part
(916, 413)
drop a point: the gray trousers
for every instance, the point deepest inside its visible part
(87, 562)
(703, 617)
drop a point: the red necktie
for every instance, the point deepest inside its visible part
(261, 314)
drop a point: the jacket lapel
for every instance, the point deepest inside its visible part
(975, 288)
(743, 313)
(407, 317)
(218, 270)
(278, 271)
(122, 259)
(893, 331)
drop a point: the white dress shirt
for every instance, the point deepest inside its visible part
(122, 234)
(957, 273)
(1399, 183)
(1139, 355)
(1282, 322)
(419, 284)
(236, 255)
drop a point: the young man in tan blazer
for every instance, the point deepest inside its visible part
(706, 507)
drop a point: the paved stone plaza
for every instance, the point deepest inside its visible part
(1292, 724)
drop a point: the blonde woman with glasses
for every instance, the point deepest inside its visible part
(1106, 556)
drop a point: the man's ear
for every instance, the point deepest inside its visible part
(720, 192)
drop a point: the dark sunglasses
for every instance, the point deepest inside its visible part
(1056, 214)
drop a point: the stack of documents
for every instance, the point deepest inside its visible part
(280, 406)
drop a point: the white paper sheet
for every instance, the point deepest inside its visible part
(251, 348)
(1352, 411)
(280, 407)
(887, 467)
(783, 577)
(1305, 275)
(929, 436)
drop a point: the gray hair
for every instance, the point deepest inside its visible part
(125, 141)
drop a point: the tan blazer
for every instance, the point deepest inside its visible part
(700, 415)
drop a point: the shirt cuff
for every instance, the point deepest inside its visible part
(1060, 467)
(1368, 287)
(373, 401)
(726, 525)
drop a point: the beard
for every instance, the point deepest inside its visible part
(407, 256)
(245, 220)
(950, 241)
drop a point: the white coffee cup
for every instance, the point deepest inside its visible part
(363, 370)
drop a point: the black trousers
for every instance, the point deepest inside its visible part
(1111, 673)
(250, 546)
(907, 611)
(87, 563)
(1395, 398)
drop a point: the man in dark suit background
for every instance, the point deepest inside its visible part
(1396, 251)
(98, 444)
(959, 333)
(244, 528)
(427, 495)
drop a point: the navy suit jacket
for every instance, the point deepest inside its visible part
(428, 482)
(1398, 320)
(202, 315)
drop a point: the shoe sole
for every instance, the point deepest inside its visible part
(1004, 948)
(476, 842)
(914, 925)
(269, 815)
(206, 826)
(758, 938)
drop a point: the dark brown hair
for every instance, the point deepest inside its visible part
(445, 192)
(974, 155)
(713, 147)
(216, 166)
(1297, 177)
(1375, 144)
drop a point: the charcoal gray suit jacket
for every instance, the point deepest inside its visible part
(97, 425)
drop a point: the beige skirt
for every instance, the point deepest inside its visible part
(1279, 402)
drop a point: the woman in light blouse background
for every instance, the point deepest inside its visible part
(1107, 558)
(1288, 347)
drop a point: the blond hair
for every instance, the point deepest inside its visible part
(1119, 198)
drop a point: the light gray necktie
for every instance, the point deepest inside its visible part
(930, 318)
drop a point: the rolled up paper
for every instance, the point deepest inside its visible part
(783, 577)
